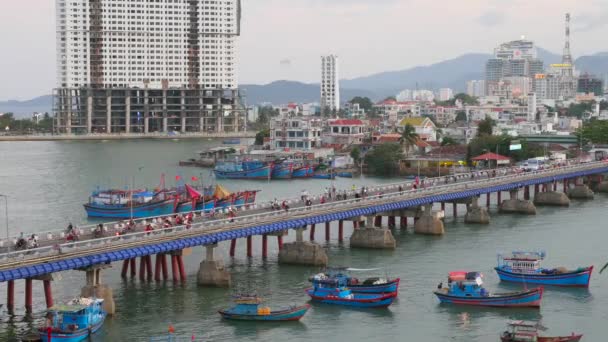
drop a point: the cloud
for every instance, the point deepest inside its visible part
(588, 22)
(491, 18)
(285, 62)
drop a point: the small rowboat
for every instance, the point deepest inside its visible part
(465, 288)
(248, 309)
(525, 267)
(336, 292)
(523, 331)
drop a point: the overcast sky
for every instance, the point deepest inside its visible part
(283, 39)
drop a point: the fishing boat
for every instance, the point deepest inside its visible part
(249, 308)
(130, 204)
(525, 331)
(337, 292)
(368, 285)
(304, 171)
(345, 174)
(282, 170)
(243, 170)
(466, 288)
(231, 141)
(525, 267)
(75, 321)
(324, 175)
(209, 157)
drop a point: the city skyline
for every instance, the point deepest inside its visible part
(292, 52)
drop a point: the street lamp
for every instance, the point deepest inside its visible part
(8, 247)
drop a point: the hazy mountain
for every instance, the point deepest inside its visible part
(596, 64)
(26, 108)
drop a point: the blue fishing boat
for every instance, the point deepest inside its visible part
(242, 170)
(73, 322)
(525, 267)
(112, 204)
(231, 141)
(465, 288)
(302, 172)
(368, 285)
(345, 174)
(248, 308)
(282, 170)
(324, 176)
(337, 292)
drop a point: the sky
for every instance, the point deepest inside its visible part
(284, 39)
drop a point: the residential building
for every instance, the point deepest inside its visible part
(330, 83)
(295, 132)
(446, 94)
(423, 95)
(588, 84)
(344, 132)
(354, 110)
(531, 107)
(425, 128)
(391, 111)
(141, 66)
(476, 88)
(516, 58)
(520, 85)
(404, 95)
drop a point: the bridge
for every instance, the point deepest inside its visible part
(92, 255)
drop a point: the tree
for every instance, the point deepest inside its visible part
(384, 159)
(259, 136)
(390, 98)
(465, 99)
(461, 115)
(355, 153)
(595, 132)
(448, 141)
(408, 137)
(486, 126)
(364, 103)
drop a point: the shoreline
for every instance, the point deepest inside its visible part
(64, 137)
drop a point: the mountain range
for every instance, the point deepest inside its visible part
(452, 73)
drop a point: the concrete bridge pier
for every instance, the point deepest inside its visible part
(94, 287)
(516, 206)
(341, 230)
(551, 197)
(602, 187)
(10, 297)
(160, 265)
(211, 272)
(403, 222)
(580, 190)
(373, 236)
(312, 232)
(301, 252)
(475, 213)
(429, 223)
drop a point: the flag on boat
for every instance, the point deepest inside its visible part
(220, 192)
(194, 179)
(177, 178)
(192, 192)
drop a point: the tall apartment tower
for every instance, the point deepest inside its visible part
(140, 66)
(330, 84)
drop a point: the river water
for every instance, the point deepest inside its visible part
(47, 182)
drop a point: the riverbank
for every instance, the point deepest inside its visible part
(124, 136)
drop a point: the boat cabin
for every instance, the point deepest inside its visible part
(336, 286)
(521, 262)
(466, 284)
(522, 331)
(79, 314)
(249, 305)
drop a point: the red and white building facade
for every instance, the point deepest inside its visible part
(342, 132)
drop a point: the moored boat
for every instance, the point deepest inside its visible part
(324, 175)
(524, 331)
(525, 267)
(161, 204)
(368, 285)
(282, 170)
(337, 292)
(304, 171)
(345, 174)
(465, 288)
(73, 322)
(249, 308)
(242, 170)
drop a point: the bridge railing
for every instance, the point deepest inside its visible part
(137, 238)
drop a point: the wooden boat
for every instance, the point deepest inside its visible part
(525, 267)
(159, 205)
(282, 171)
(345, 174)
(324, 176)
(209, 157)
(248, 308)
(368, 285)
(465, 288)
(523, 331)
(337, 292)
(242, 170)
(73, 322)
(303, 171)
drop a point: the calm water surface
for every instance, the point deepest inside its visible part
(47, 182)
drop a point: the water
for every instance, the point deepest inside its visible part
(47, 182)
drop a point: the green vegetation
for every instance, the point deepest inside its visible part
(500, 144)
(384, 159)
(390, 98)
(45, 125)
(579, 109)
(355, 153)
(259, 136)
(595, 131)
(408, 137)
(265, 113)
(485, 126)
(465, 99)
(364, 103)
(447, 141)
(461, 116)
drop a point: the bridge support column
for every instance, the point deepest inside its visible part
(527, 193)
(378, 221)
(403, 222)
(565, 182)
(327, 231)
(554, 185)
(301, 252)
(280, 242)
(341, 230)
(10, 296)
(94, 287)
(212, 272)
(391, 221)
(580, 190)
(517, 206)
(601, 187)
(149, 267)
(182, 268)
(536, 189)
(232, 247)
(551, 198)
(48, 293)
(264, 246)
(125, 268)
(28, 295)
(312, 232)
(163, 264)
(429, 223)
(142, 268)
(369, 222)
(157, 266)
(443, 206)
(174, 268)
(373, 237)
(475, 213)
(133, 267)
(355, 225)
(249, 246)
(488, 197)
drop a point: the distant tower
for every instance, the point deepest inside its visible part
(567, 56)
(330, 83)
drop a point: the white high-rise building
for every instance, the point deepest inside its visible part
(476, 88)
(531, 107)
(163, 52)
(330, 83)
(446, 94)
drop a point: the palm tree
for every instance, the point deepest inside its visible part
(408, 137)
